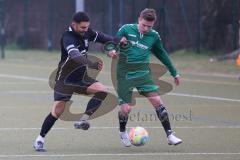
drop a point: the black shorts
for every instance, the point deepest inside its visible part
(63, 91)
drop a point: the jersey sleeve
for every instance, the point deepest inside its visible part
(100, 37)
(68, 42)
(159, 51)
(122, 32)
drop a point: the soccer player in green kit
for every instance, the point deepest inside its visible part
(133, 72)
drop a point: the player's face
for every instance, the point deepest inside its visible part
(144, 26)
(81, 27)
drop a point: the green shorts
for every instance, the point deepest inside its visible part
(125, 87)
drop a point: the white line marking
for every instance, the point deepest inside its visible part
(19, 83)
(120, 154)
(111, 87)
(194, 96)
(211, 82)
(24, 77)
(26, 92)
(211, 75)
(150, 127)
(203, 97)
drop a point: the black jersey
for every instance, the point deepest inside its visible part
(71, 41)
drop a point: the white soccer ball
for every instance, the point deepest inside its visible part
(138, 136)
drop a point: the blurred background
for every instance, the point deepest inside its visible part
(183, 24)
(202, 37)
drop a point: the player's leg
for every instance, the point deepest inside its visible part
(100, 93)
(125, 97)
(124, 91)
(123, 115)
(57, 109)
(162, 114)
(160, 109)
(148, 89)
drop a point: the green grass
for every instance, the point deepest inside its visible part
(184, 60)
(214, 126)
(194, 62)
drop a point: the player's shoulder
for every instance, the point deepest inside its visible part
(68, 33)
(128, 26)
(154, 33)
(68, 36)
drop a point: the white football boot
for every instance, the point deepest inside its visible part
(125, 140)
(38, 144)
(173, 140)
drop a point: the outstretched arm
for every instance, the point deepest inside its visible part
(162, 55)
(100, 37)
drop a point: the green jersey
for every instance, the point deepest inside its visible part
(134, 62)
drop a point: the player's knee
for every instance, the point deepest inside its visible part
(101, 88)
(58, 108)
(57, 112)
(97, 87)
(125, 109)
(155, 100)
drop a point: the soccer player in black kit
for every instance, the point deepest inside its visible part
(74, 47)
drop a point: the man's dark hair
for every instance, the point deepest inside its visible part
(148, 14)
(79, 17)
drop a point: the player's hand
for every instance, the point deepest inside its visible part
(100, 65)
(177, 80)
(112, 54)
(123, 40)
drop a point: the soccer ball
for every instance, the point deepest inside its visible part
(138, 136)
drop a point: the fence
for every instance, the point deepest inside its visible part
(193, 24)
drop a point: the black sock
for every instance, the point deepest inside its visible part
(47, 124)
(163, 117)
(122, 121)
(95, 102)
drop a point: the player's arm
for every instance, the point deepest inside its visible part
(74, 54)
(79, 58)
(100, 37)
(159, 51)
(104, 38)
